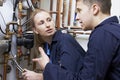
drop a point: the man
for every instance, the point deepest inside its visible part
(102, 60)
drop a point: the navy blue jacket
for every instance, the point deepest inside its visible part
(102, 60)
(65, 52)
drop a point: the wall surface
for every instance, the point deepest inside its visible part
(115, 10)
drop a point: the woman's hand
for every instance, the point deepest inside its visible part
(43, 60)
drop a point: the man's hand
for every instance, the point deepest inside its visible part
(43, 60)
(31, 75)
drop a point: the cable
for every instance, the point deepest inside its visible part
(28, 3)
(32, 7)
(26, 29)
(14, 16)
(27, 21)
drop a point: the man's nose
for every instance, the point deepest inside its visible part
(47, 24)
(77, 17)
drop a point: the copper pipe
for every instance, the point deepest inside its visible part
(19, 31)
(20, 9)
(5, 65)
(51, 5)
(64, 12)
(59, 3)
(69, 12)
(19, 34)
(57, 13)
(19, 51)
(8, 33)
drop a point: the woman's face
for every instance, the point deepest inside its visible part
(44, 24)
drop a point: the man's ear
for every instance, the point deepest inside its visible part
(35, 31)
(96, 9)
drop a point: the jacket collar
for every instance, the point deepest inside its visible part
(112, 19)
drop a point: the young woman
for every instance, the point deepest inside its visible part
(64, 51)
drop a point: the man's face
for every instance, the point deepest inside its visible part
(84, 15)
(44, 24)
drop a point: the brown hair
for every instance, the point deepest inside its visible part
(105, 5)
(38, 41)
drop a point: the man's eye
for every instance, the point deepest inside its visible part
(78, 10)
(49, 19)
(41, 22)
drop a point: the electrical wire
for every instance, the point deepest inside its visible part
(28, 3)
(27, 21)
(31, 7)
(27, 29)
(1, 30)
(14, 16)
